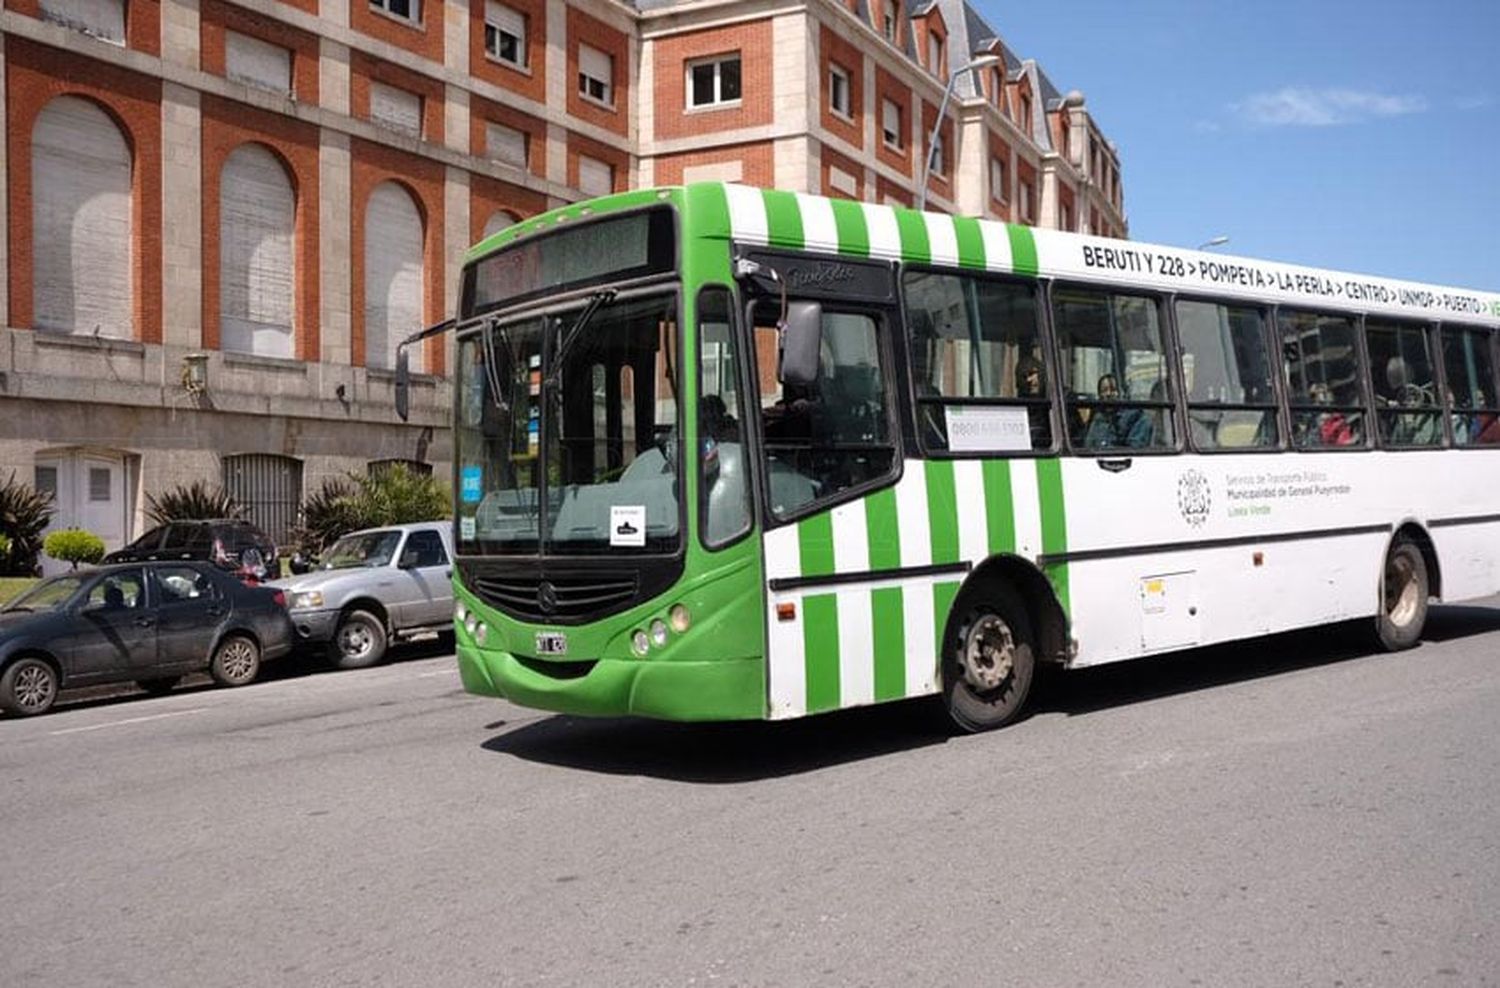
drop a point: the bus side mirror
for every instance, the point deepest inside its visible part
(403, 384)
(801, 343)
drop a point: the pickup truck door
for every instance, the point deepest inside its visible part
(424, 560)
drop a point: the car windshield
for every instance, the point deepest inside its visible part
(49, 595)
(363, 549)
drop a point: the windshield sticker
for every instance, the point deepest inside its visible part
(471, 484)
(466, 529)
(627, 525)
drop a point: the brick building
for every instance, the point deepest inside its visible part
(221, 215)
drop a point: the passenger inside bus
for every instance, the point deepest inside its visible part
(1113, 427)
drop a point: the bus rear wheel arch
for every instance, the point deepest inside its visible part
(989, 656)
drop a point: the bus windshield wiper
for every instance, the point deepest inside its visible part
(491, 329)
(595, 301)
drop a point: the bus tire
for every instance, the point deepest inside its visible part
(989, 660)
(1403, 597)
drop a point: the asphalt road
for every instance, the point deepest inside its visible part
(1294, 811)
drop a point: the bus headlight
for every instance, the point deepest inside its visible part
(639, 643)
(470, 623)
(658, 632)
(679, 618)
(460, 612)
(481, 634)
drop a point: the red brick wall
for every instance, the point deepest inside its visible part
(752, 41)
(488, 195)
(34, 76)
(227, 126)
(482, 111)
(596, 34)
(371, 164)
(425, 37)
(831, 49)
(217, 17)
(898, 193)
(532, 82)
(363, 69)
(619, 160)
(832, 159)
(758, 165)
(142, 22)
(889, 87)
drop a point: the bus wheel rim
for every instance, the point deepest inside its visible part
(988, 655)
(1400, 591)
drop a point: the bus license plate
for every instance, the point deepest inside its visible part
(551, 643)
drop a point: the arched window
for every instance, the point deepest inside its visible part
(257, 274)
(80, 213)
(393, 275)
(497, 222)
(269, 488)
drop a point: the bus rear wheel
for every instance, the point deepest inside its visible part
(1403, 597)
(989, 660)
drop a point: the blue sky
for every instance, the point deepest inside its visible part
(1363, 136)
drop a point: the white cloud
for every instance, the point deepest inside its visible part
(1298, 106)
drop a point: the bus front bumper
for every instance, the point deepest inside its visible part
(727, 689)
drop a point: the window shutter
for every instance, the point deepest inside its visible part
(890, 118)
(393, 275)
(505, 144)
(507, 20)
(396, 108)
(595, 178)
(594, 63)
(100, 18)
(257, 63)
(81, 228)
(257, 217)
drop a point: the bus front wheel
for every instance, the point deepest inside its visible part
(1403, 597)
(989, 658)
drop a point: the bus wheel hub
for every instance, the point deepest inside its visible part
(988, 654)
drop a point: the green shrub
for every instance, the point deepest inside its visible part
(393, 496)
(74, 545)
(328, 512)
(4, 545)
(24, 513)
(191, 502)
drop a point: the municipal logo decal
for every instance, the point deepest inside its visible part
(1194, 497)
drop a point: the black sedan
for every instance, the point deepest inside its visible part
(149, 622)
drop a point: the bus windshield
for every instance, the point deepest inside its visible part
(567, 437)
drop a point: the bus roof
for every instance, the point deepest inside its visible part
(797, 221)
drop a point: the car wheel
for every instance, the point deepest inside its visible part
(29, 687)
(160, 686)
(360, 641)
(236, 661)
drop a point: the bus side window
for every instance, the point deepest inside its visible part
(1114, 371)
(1320, 357)
(1226, 371)
(1473, 400)
(723, 488)
(1403, 383)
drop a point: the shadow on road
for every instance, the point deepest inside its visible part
(742, 752)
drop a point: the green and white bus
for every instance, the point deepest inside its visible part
(731, 453)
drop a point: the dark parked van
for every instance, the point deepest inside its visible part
(229, 543)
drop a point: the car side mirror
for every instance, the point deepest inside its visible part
(801, 343)
(403, 383)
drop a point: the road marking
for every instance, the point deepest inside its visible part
(128, 720)
(439, 672)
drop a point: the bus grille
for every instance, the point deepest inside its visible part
(571, 598)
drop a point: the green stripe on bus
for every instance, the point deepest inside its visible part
(854, 232)
(942, 603)
(709, 208)
(783, 219)
(882, 527)
(815, 544)
(1054, 524)
(942, 511)
(914, 243)
(820, 644)
(888, 612)
(999, 505)
(970, 242)
(1022, 249)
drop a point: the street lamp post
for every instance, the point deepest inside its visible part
(982, 62)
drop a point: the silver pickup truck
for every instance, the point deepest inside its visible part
(375, 587)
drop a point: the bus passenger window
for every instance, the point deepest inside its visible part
(977, 364)
(1117, 395)
(1403, 384)
(1320, 356)
(1226, 371)
(827, 437)
(1473, 408)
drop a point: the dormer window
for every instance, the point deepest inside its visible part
(935, 54)
(891, 26)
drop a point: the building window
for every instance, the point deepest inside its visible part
(393, 275)
(257, 273)
(506, 144)
(1066, 212)
(407, 10)
(257, 63)
(44, 479)
(891, 21)
(505, 33)
(939, 154)
(595, 178)
(715, 82)
(499, 220)
(1028, 203)
(396, 109)
(80, 221)
(997, 88)
(842, 183)
(838, 92)
(269, 488)
(1026, 113)
(999, 180)
(99, 478)
(935, 54)
(102, 19)
(890, 123)
(596, 74)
